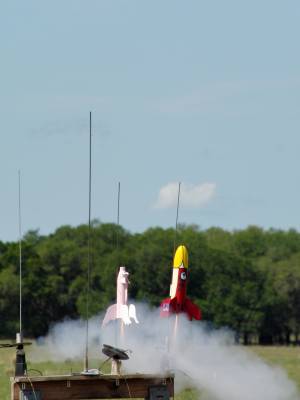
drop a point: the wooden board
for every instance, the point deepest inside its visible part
(67, 387)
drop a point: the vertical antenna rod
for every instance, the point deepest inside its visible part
(20, 256)
(176, 224)
(117, 249)
(86, 364)
(20, 363)
(118, 214)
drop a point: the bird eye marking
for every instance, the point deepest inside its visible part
(183, 276)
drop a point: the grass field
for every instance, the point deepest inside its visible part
(286, 357)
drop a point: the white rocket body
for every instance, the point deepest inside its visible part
(121, 310)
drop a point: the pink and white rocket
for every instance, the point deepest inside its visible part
(121, 310)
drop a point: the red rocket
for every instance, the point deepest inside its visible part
(178, 302)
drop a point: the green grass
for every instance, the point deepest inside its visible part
(6, 370)
(7, 358)
(286, 357)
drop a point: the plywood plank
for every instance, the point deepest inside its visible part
(91, 387)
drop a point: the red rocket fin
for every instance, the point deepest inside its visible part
(192, 310)
(167, 307)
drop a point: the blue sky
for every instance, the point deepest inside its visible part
(206, 93)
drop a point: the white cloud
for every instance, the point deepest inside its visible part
(194, 196)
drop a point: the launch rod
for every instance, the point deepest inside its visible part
(176, 224)
(86, 364)
(118, 214)
(20, 254)
(117, 248)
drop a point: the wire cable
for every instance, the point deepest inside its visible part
(31, 384)
(36, 370)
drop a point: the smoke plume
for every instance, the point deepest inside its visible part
(205, 359)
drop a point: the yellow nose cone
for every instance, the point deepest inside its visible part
(181, 257)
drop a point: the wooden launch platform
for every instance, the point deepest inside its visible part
(67, 387)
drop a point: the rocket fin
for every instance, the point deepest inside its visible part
(132, 313)
(167, 307)
(110, 315)
(192, 310)
(124, 314)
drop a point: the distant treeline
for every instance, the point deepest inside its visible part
(247, 280)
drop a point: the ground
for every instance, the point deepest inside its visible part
(286, 357)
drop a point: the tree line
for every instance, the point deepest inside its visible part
(247, 280)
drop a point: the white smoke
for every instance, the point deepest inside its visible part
(205, 359)
(67, 340)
